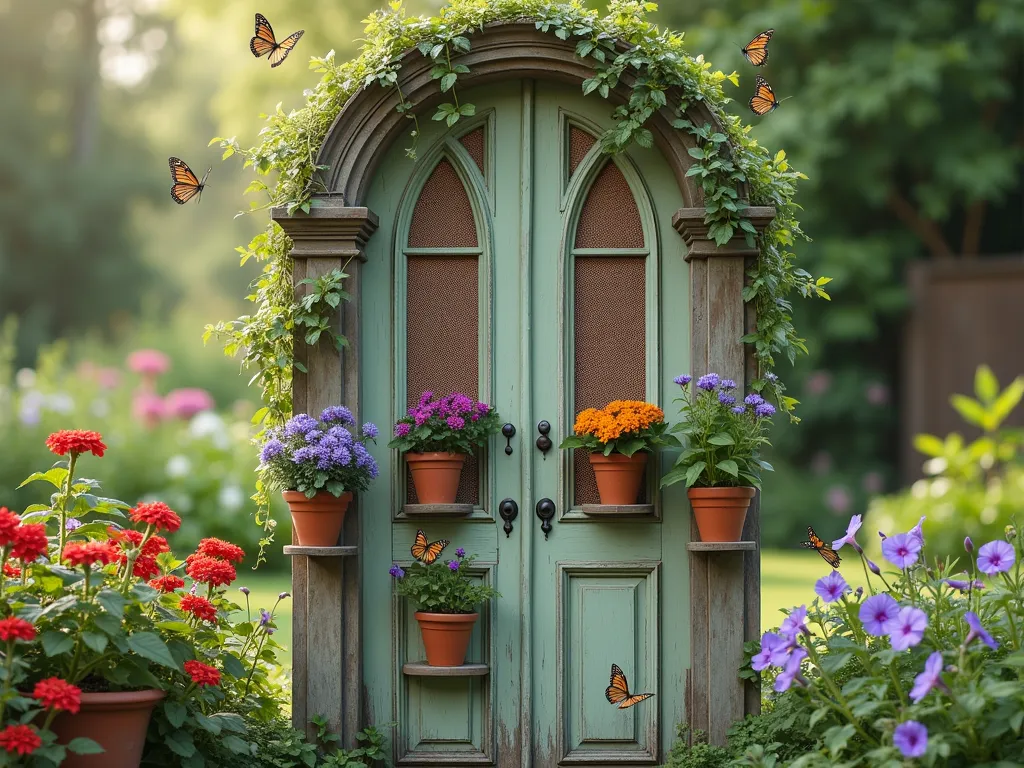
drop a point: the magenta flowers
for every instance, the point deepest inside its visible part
(454, 423)
(995, 557)
(878, 614)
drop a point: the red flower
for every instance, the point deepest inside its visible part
(199, 607)
(157, 514)
(224, 550)
(91, 552)
(13, 628)
(154, 544)
(202, 674)
(8, 523)
(29, 542)
(76, 441)
(12, 571)
(54, 693)
(167, 583)
(145, 566)
(209, 570)
(21, 739)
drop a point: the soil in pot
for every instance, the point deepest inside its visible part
(618, 477)
(446, 636)
(436, 476)
(117, 721)
(317, 521)
(720, 512)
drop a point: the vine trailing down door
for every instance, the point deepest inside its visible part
(517, 263)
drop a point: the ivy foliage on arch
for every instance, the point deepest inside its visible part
(663, 77)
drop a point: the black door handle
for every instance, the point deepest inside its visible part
(545, 511)
(509, 431)
(544, 442)
(509, 511)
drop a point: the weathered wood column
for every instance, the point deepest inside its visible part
(725, 579)
(326, 652)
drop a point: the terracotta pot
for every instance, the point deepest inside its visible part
(720, 512)
(618, 477)
(436, 475)
(117, 721)
(317, 521)
(446, 636)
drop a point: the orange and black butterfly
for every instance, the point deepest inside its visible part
(264, 42)
(756, 51)
(426, 553)
(618, 691)
(823, 549)
(763, 101)
(184, 184)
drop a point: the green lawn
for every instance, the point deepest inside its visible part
(787, 580)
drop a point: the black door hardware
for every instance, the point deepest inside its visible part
(509, 431)
(544, 442)
(509, 511)
(545, 511)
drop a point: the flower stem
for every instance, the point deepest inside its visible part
(62, 500)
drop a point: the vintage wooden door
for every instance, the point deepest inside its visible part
(517, 263)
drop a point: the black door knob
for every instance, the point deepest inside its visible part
(509, 511)
(544, 442)
(545, 511)
(509, 431)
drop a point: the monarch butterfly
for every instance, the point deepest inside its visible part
(823, 549)
(756, 51)
(763, 101)
(618, 690)
(264, 42)
(184, 184)
(426, 553)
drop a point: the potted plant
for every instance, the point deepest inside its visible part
(446, 597)
(619, 438)
(318, 464)
(720, 462)
(436, 436)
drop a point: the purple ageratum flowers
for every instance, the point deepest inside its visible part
(911, 738)
(402, 429)
(739, 409)
(902, 549)
(909, 628)
(299, 424)
(271, 450)
(753, 400)
(978, 631)
(878, 614)
(460, 552)
(774, 652)
(708, 381)
(453, 565)
(931, 678)
(396, 572)
(727, 384)
(370, 429)
(264, 617)
(72, 524)
(851, 534)
(337, 414)
(725, 398)
(764, 410)
(791, 671)
(995, 557)
(683, 380)
(830, 588)
(771, 377)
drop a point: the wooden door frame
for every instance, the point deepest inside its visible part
(326, 590)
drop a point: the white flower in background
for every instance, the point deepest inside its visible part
(60, 403)
(178, 466)
(30, 408)
(25, 378)
(100, 408)
(231, 497)
(209, 424)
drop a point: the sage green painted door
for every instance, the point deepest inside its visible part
(515, 260)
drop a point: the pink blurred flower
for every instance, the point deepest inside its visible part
(876, 393)
(873, 482)
(148, 362)
(818, 383)
(821, 463)
(108, 378)
(838, 499)
(186, 403)
(148, 408)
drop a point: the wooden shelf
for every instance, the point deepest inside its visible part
(422, 669)
(721, 546)
(624, 510)
(438, 510)
(295, 549)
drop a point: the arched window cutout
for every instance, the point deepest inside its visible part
(443, 216)
(610, 217)
(580, 142)
(474, 144)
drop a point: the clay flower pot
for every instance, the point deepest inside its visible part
(618, 477)
(317, 521)
(117, 721)
(446, 636)
(720, 512)
(436, 475)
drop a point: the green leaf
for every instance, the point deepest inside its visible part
(95, 640)
(986, 385)
(929, 445)
(694, 472)
(728, 466)
(1008, 400)
(175, 713)
(112, 602)
(971, 410)
(235, 744)
(54, 477)
(83, 746)
(180, 743)
(837, 737)
(56, 642)
(233, 666)
(206, 723)
(150, 646)
(448, 81)
(108, 623)
(722, 438)
(230, 721)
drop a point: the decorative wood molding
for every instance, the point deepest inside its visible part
(422, 669)
(689, 222)
(629, 510)
(291, 550)
(721, 546)
(330, 229)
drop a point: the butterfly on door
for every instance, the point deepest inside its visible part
(184, 184)
(618, 693)
(756, 51)
(424, 552)
(264, 42)
(830, 555)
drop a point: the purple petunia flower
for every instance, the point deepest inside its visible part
(968, 544)
(402, 429)
(978, 631)
(72, 524)
(453, 565)
(911, 738)
(830, 588)
(455, 422)
(964, 586)
(795, 623)
(271, 450)
(774, 652)
(791, 671)
(725, 398)
(396, 571)
(370, 429)
(739, 409)
(874, 568)
(460, 552)
(683, 380)
(851, 533)
(995, 557)
(878, 614)
(708, 381)
(909, 628)
(728, 384)
(902, 549)
(753, 399)
(929, 679)
(764, 410)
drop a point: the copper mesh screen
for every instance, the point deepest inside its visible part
(474, 144)
(610, 344)
(443, 217)
(580, 143)
(441, 340)
(610, 218)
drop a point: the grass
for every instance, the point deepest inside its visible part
(787, 580)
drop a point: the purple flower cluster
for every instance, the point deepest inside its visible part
(271, 450)
(327, 445)
(783, 649)
(338, 414)
(454, 410)
(396, 572)
(708, 381)
(712, 382)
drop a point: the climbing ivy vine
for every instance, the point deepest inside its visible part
(663, 76)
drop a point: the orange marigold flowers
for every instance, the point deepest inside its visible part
(209, 570)
(29, 542)
(9, 523)
(13, 628)
(225, 550)
(54, 693)
(76, 441)
(167, 583)
(202, 674)
(20, 739)
(157, 514)
(199, 607)
(618, 418)
(91, 552)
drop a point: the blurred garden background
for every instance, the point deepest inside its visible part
(906, 117)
